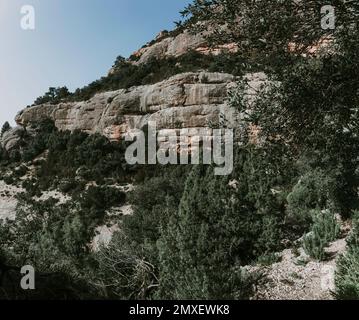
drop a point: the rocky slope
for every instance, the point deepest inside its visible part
(299, 277)
(188, 100)
(166, 45)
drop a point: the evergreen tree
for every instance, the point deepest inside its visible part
(195, 252)
(6, 127)
(206, 242)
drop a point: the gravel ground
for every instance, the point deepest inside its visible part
(298, 277)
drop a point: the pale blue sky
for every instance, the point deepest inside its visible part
(74, 43)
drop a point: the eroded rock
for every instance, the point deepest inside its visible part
(183, 101)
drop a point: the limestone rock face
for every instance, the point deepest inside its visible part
(179, 45)
(12, 137)
(186, 100)
(170, 46)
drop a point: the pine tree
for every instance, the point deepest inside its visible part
(6, 127)
(204, 244)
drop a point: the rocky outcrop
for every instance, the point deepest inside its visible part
(188, 100)
(12, 137)
(170, 46)
(175, 46)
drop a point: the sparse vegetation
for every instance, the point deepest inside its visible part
(126, 74)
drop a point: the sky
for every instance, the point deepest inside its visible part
(74, 43)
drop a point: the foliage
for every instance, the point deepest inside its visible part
(125, 74)
(6, 127)
(310, 104)
(268, 259)
(215, 231)
(68, 160)
(267, 27)
(347, 274)
(53, 96)
(311, 192)
(128, 268)
(324, 230)
(123, 272)
(191, 232)
(56, 237)
(93, 157)
(248, 217)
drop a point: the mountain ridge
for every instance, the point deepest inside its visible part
(184, 100)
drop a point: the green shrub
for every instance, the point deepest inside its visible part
(211, 235)
(347, 274)
(312, 192)
(20, 171)
(54, 95)
(9, 180)
(55, 236)
(67, 185)
(6, 127)
(315, 247)
(130, 264)
(324, 230)
(69, 159)
(268, 259)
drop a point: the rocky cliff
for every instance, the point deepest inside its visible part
(165, 46)
(188, 100)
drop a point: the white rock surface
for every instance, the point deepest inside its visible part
(189, 100)
(8, 201)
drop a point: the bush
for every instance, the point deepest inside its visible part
(206, 241)
(324, 230)
(9, 180)
(72, 158)
(312, 192)
(54, 95)
(347, 274)
(130, 264)
(6, 127)
(20, 171)
(66, 186)
(268, 259)
(123, 272)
